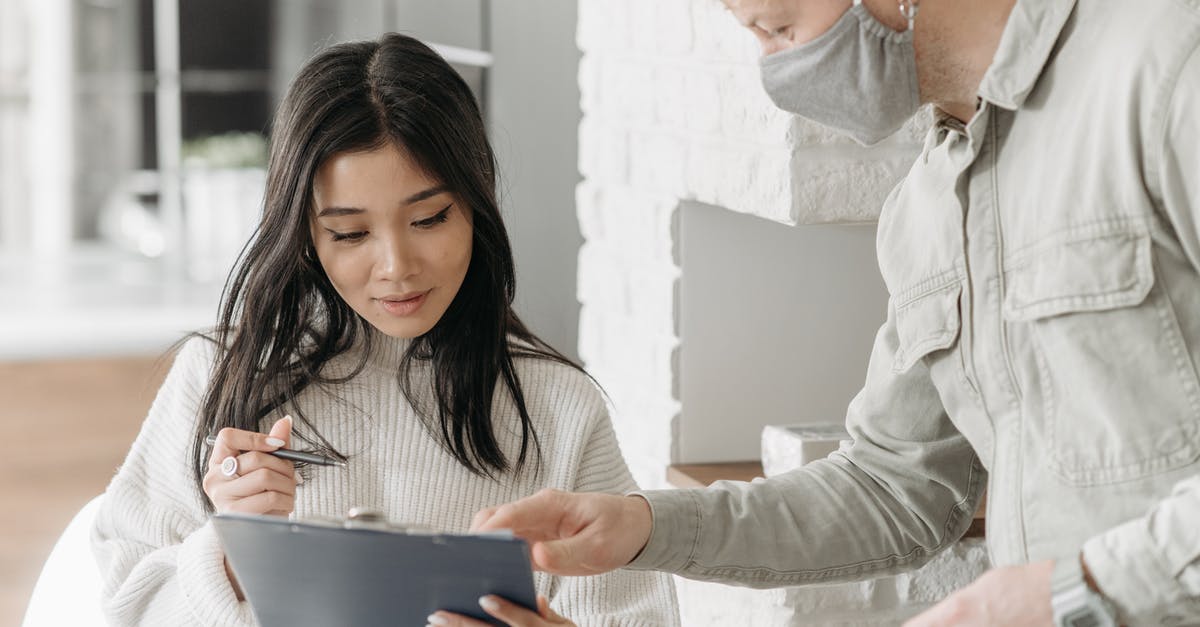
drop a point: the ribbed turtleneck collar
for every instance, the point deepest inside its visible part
(386, 351)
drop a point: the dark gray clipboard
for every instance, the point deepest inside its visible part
(306, 573)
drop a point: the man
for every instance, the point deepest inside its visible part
(1043, 329)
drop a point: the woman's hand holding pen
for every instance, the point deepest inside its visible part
(255, 483)
(243, 478)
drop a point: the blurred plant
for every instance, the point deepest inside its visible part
(228, 150)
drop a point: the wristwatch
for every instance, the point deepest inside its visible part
(1075, 603)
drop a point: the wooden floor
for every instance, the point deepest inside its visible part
(65, 427)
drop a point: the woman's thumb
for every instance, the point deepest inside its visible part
(282, 429)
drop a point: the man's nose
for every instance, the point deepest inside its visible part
(771, 45)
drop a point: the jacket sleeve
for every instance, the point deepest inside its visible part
(159, 557)
(1150, 567)
(909, 482)
(623, 598)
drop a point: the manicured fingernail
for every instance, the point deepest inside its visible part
(434, 619)
(489, 603)
(275, 442)
(299, 478)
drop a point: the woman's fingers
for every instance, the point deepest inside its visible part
(233, 442)
(282, 430)
(261, 480)
(506, 611)
(254, 460)
(517, 616)
(258, 483)
(450, 619)
(262, 503)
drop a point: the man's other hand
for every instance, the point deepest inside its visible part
(1013, 596)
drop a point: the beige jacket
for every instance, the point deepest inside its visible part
(1042, 338)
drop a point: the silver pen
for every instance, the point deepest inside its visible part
(295, 456)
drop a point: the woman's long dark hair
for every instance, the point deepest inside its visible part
(281, 320)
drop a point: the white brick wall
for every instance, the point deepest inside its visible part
(673, 112)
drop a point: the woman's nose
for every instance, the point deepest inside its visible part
(396, 260)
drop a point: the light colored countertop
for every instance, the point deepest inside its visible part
(96, 303)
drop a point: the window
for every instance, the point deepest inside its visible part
(132, 150)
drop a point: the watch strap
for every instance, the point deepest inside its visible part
(1068, 573)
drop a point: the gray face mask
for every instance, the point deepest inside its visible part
(859, 76)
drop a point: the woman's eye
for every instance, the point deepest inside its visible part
(434, 220)
(352, 236)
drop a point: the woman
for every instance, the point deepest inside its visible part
(374, 305)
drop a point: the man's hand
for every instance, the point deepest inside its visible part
(1010, 596)
(574, 533)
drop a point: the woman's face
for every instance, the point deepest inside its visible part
(395, 243)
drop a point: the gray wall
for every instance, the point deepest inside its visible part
(534, 101)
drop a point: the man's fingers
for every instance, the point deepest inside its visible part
(481, 519)
(548, 612)
(533, 518)
(560, 557)
(576, 556)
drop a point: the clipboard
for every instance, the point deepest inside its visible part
(366, 573)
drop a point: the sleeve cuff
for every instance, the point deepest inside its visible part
(1125, 565)
(201, 569)
(675, 531)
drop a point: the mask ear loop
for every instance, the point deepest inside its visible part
(908, 10)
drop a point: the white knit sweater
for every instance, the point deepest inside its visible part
(161, 561)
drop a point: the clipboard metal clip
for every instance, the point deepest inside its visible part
(363, 518)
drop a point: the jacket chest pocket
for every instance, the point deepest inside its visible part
(927, 322)
(930, 330)
(1118, 391)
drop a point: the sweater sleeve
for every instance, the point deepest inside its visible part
(623, 597)
(159, 556)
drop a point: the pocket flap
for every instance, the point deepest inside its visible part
(926, 323)
(1091, 274)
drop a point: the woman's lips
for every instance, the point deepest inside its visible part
(403, 307)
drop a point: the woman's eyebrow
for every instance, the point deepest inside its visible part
(333, 212)
(429, 193)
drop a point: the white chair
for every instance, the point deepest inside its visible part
(68, 590)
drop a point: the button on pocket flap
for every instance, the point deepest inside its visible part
(925, 323)
(1092, 274)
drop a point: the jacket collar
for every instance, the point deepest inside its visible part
(1033, 29)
